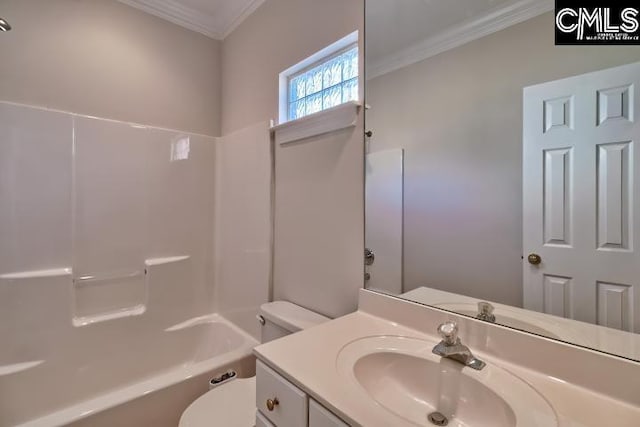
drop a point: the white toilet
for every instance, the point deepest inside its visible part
(234, 404)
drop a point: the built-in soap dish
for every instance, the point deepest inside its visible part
(106, 297)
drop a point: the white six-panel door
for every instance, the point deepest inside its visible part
(581, 201)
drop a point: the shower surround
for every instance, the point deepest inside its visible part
(108, 262)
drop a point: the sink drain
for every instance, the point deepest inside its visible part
(437, 419)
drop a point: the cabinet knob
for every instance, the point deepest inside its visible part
(272, 403)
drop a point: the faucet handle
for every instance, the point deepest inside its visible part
(485, 308)
(485, 312)
(448, 331)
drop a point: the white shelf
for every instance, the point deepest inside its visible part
(152, 262)
(37, 274)
(339, 117)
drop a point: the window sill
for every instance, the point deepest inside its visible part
(339, 117)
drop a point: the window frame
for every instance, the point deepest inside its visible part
(325, 55)
(319, 64)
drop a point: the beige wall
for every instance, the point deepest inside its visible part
(102, 58)
(319, 228)
(243, 225)
(318, 235)
(458, 116)
(279, 34)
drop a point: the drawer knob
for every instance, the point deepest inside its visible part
(272, 403)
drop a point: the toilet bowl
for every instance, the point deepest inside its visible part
(233, 404)
(229, 405)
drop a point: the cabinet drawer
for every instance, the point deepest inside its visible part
(321, 417)
(261, 421)
(292, 408)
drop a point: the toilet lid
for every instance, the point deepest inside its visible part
(229, 405)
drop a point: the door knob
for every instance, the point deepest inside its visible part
(534, 259)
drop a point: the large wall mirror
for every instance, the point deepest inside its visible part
(503, 171)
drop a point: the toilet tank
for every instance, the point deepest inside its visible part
(281, 318)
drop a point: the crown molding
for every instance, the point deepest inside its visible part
(192, 19)
(178, 14)
(487, 24)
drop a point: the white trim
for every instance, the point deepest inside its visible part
(479, 27)
(316, 57)
(178, 14)
(332, 119)
(192, 19)
(106, 119)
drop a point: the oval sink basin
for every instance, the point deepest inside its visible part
(402, 376)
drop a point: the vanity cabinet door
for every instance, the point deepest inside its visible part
(261, 421)
(281, 402)
(321, 417)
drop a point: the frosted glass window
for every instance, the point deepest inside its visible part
(331, 82)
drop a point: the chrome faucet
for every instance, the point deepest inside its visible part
(485, 312)
(452, 348)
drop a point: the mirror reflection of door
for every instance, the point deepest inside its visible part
(445, 83)
(384, 211)
(580, 214)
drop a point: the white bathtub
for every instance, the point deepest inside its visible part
(148, 385)
(102, 273)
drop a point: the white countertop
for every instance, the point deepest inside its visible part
(308, 359)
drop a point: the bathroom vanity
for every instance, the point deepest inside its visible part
(376, 367)
(281, 403)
